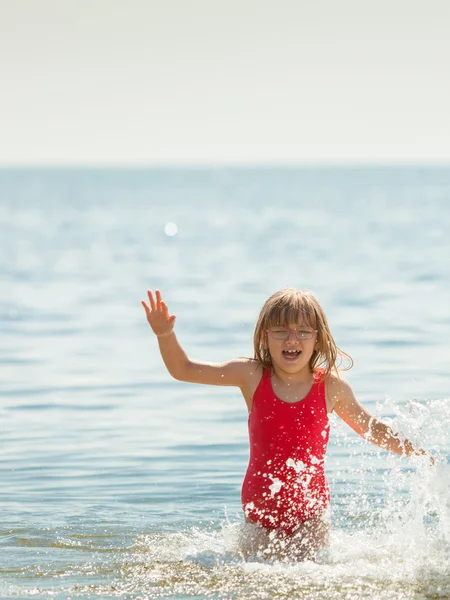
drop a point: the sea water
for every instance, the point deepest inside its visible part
(119, 482)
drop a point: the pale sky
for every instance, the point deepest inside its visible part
(108, 82)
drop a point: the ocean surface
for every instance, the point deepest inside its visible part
(120, 482)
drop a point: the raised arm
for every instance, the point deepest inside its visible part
(347, 407)
(232, 373)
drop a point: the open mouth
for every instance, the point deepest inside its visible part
(291, 354)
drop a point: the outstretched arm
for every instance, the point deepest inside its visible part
(367, 426)
(178, 364)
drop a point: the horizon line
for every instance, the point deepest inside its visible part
(224, 165)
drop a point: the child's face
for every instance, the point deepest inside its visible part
(293, 353)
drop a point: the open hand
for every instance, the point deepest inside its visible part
(158, 315)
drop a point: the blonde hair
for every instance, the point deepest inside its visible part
(298, 306)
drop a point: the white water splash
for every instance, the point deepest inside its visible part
(402, 551)
(276, 485)
(298, 465)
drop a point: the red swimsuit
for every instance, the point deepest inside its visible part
(285, 483)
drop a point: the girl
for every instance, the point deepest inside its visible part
(290, 387)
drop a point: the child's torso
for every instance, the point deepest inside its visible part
(288, 442)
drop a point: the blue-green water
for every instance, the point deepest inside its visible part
(118, 482)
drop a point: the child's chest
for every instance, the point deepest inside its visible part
(291, 393)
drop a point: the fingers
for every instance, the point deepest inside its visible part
(164, 310)
(156, 304)
(151, 300)
(158, 299)
(158, 315)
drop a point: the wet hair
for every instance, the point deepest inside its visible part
(290, 306)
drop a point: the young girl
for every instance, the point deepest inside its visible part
(290, 387)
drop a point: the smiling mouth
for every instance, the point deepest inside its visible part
(291, 354)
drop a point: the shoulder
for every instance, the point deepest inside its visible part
(337, 389)
(244, 364)
(247, 369)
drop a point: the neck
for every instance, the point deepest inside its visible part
(302, 376)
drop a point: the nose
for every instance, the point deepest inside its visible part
(293, 335)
